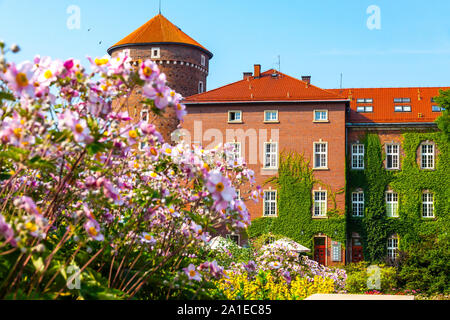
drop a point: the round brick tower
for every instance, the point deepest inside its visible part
(184, 61)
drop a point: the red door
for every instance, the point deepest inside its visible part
(319, 250)
(357, 250)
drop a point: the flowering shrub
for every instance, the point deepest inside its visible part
(280, 273)
(75, 191)
(266, 286)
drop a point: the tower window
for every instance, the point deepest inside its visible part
(156, 53)
(200, 87)
(203, 60)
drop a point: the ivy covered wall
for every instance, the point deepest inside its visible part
(294, 185)
(409, 182)
(295, 182)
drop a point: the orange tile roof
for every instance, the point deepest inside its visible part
(158, 30)
(383, 104)
(265, 88)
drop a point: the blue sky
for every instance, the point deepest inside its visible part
(321, 38)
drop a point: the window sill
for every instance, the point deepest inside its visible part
(235, 122)
(269, 168)
(358, 169)
(321, 121)
(273, 121)
(269, 216)
(320, 217)
(321, 169)
(393, 169)
(357, 217)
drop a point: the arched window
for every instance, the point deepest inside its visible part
(200, 87)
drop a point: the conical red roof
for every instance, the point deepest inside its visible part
(158, 30)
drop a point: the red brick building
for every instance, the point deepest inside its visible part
(265, 113)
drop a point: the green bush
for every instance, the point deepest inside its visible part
(358, 275)
(427, 266)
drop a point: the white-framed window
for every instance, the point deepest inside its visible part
(427, 156)
(236, 153)
(155, 53)
(238, 194)
(144, 115)
(203, 60)
(357, 156)
(358, 204)
(320, 155)
(402, 100)
(392, 156)
(427, 205)
(234, 237)
(362, 109)
(336, 251)
(320, 203)
(270, 115)
(365, 100)
(270, 203)
(270, 155)
(200, 87)
(392, 247)
(320, 115)
(402, 108)
(392, 204)
(235, 116)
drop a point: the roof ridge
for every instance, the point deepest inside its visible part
(331, 93)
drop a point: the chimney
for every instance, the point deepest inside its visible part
(306, 79)
(257, 72)
(247, 75)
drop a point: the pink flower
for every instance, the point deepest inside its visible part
(7, 232)
(180, 110)
(148, 70)
(192, 273)
(27, 204)
(93, 229)
(79, 128)
(148, 238)
(20, 79)
(220, 188)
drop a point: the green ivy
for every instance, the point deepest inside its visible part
(294, 184)
(409, 182)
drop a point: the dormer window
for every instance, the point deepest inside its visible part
(437, 109)
(402, 100)
(366, 100)
(362, 109)
(156, 53)
(402, 108)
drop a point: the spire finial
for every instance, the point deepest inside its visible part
(159, 6)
